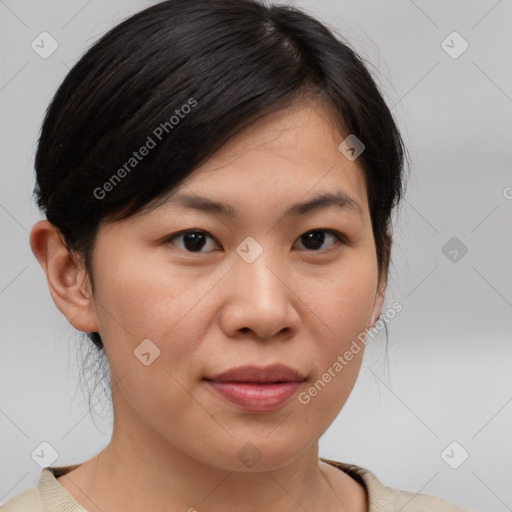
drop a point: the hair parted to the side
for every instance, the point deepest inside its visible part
(238, 60)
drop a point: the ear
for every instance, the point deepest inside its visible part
(383, 278)
(67, 279)
(379, 299)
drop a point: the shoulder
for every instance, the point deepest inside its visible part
(415, 502)
(383, 498)
(47, 496)
(26, 501)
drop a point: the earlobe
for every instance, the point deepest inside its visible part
(67, 279)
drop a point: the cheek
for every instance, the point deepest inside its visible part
(150, 303)
(141, 300)
(342, 308)
(351, 307)
(344, 302)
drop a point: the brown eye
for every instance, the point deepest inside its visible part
(315, 239)
(192, 240)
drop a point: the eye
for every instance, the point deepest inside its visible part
(193, 240)
(314, 239)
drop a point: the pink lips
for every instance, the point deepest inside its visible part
(257, 389)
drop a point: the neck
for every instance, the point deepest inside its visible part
(140, 470)
(132, 478)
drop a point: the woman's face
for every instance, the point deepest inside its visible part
(252, 288)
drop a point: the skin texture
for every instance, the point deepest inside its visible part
(175, 441)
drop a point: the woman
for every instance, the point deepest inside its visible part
(218, 179)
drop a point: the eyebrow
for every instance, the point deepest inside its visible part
(327, 199)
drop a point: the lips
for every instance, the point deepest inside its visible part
(257, 389)
(272, 373)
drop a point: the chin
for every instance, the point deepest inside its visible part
(257, 454)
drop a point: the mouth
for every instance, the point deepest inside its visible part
(257, 389)
(256, 397)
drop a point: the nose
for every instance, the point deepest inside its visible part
(260, 300)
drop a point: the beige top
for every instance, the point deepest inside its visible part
(50, 496)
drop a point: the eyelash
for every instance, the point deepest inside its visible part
(340, 238)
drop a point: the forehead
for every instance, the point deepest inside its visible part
(292, 152)
(304, 130)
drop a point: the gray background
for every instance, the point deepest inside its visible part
(449, 375)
